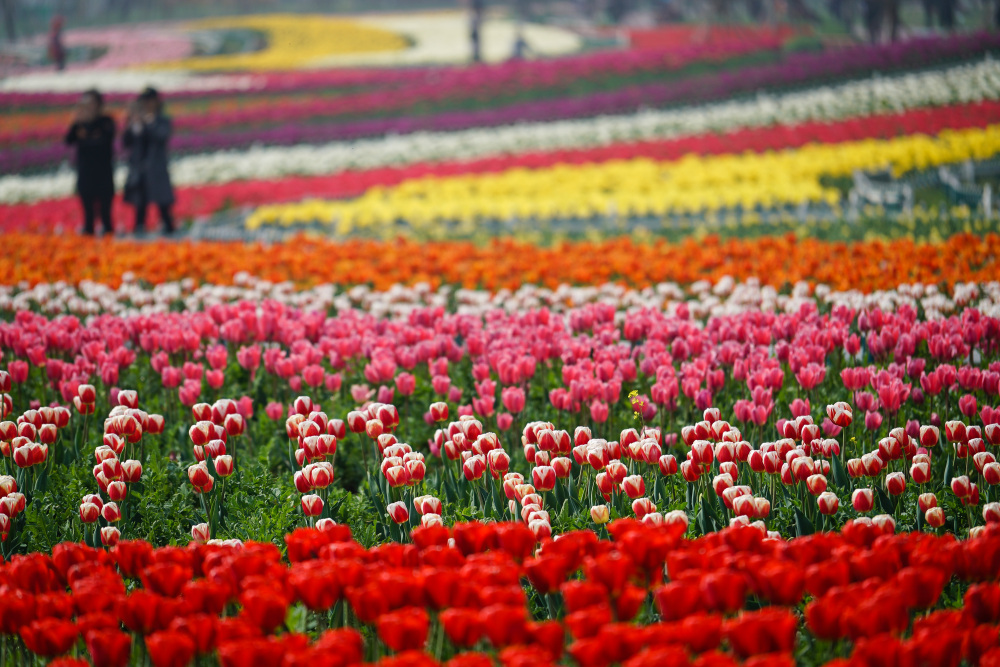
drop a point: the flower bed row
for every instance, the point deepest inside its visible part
(783, 260)
(646, 597)
(513, 73)
(210, 199)
(392, 91)
(957, 85)
(805, 69)
(399, 575)
(627, 188)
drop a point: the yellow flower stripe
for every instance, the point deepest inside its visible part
(293, 41)
(639, 187)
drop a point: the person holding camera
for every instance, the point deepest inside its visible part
(93, 135)
(146, 136)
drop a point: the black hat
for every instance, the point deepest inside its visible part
(149, 93)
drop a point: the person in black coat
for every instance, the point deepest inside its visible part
(93, 135)
(146, 136)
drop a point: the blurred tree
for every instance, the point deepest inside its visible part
(8, 19)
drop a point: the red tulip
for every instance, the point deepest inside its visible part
(49, 637)
(405, 629)
(170, 649)
(462, 626)
(264, 608)
(109, 648)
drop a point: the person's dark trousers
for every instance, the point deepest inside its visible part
(100, 205)
(166, 217)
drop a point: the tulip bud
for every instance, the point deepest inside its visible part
(199, 476)
(223, 465)
(499, 462)
(920, 472)
(439, 411)
(895, 483)
(324, 525)
(863, 500)
(562, 466)
(87, 393)
(201, 533)
(816, 484)
(720, 483)
(541, 529)
(475, 466)
(89, 512)
(427, 505)
(374, 428)
(110, 536)
(110, 512)
(991, 473)
(828, 503)
(117, 491)
(633, 486)
(600, 514)
(430, 519)
(960, 486)
(398, 512)
(131, 471)
(925, 501)
(543, 478)
(667, 464)
(689, 471)
(312, 505)
(47, 434)
(617, 471)
(642, 506)
(762, 507)
(234, 424)
(991, 512)
(935, 517)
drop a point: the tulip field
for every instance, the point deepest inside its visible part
(404, 439)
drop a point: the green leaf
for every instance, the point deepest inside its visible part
(883, 500)
(947, 472)
(296, 618)
(802, 524)
(839, 474)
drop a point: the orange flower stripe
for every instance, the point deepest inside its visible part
(506, 263)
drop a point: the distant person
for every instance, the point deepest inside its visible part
(475, 28)
(57, 52)
(147, 133)
(93, 134)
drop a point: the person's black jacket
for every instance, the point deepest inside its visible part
(95, 157)
(148, 173)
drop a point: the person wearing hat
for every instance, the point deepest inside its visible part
(146, 136)
(93, 135)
